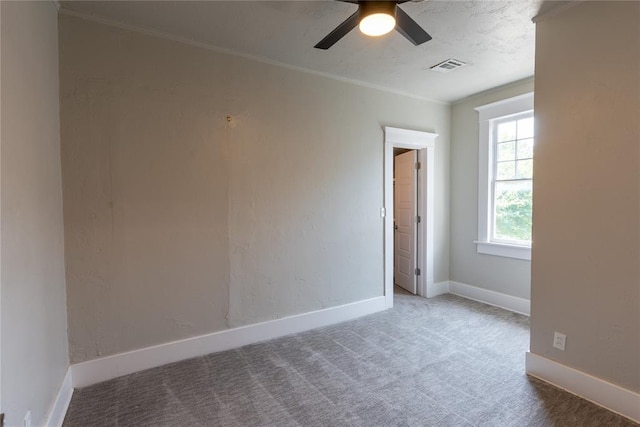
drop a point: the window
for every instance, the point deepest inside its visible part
(505, 177)
(512, 180)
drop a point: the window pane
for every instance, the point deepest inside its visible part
(506, 170)
(525, 149)
(524, 169)
(525, 128)
(507, 131)
(512, 211)
(507, 151)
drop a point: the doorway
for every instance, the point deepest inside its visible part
(424, 145)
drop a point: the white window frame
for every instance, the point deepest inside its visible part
(486, 114)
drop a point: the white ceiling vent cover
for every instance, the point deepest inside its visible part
(448, 65)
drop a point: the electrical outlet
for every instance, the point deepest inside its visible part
(27, 419)
(559, 340)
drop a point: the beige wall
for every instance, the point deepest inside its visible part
(178, 223)
(505, 275)
(34, 337)
(586, 231)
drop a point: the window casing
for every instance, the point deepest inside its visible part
(505, 177)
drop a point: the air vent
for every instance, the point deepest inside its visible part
(448, 65)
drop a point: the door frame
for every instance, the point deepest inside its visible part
(424, 143)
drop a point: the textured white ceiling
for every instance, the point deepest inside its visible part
(496, 38)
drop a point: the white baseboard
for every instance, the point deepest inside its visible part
(106, 368)
(436, 289)
(508, 302)
(614, 398)
(61, 403)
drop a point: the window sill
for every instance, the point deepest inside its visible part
(504, 250)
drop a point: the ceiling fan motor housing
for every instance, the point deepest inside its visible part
(366, 8)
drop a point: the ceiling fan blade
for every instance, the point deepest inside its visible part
(339, 32)
(410, 28)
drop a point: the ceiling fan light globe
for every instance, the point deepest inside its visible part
(377, 24)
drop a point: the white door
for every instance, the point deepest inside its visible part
(405, 197)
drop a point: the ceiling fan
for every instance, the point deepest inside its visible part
(376, 18)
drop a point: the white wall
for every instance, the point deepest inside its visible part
(586, 230)
(179, 223)
(34, 337)
(505, 275)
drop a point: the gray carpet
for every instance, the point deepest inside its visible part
(445, 361)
